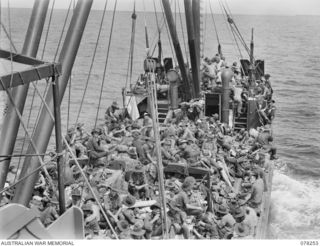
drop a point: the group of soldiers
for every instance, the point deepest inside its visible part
(119, 160)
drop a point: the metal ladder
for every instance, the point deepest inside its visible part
(240, 121)
(162, 109)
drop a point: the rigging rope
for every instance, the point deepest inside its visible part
(236, 41)
(214, 23)
(159, 28)
(10, 35)
(130, 59)
(7, 34)
(43, 164)
(26, 131)
(228, 26)
(106, 62)
(155, 13)
(102, 210)
(28, 175)
(63, 28)
(59, 43)
(235, 28)
(186, 47)
(231, 32)
(92, 61)
(70, 81)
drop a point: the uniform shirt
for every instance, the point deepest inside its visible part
(181, 200)
(263, 138)
(257, 191)
(93, 145)
(112, 203)
(109, 115)
(138, 143)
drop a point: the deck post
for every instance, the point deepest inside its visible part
(11, 121)
(226, 77)
(251, 68)
(44, 126)
(58, 132)
(155, 122)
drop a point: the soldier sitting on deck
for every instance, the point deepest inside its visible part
(182, 198)
(110, 115)
(94, 149)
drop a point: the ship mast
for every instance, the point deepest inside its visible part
(11, 121)
(191, 16)
(188, 88)
(45, 124)
(252, 65)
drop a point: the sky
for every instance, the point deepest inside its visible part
(249, 7)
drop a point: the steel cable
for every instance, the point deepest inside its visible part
(92, 61)
(106, 62)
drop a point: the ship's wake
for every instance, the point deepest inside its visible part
(295, 207)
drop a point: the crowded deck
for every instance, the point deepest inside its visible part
(215, 177)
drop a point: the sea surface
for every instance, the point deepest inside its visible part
(290, 46)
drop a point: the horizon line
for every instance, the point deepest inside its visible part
(96, 9)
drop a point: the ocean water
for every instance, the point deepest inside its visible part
(291, 50)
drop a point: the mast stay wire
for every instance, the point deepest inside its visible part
(58, 47)
(10, 36)
(39, 93)
(106, 62)
(35, 88)
(158, 33)
(163, 22)
(130, 59)
(90, 187)
(155, 13)
(6, 33)
(29, 174)
(159, 28)
(228, 27)
(92, 62)
(186, 47)
(43, 164)
(235, 27)
(214, 23)
(10, 97)
(70, 81)
(232, 35)
(63, 28)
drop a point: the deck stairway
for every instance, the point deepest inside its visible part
(240, 121)
(163, 108)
